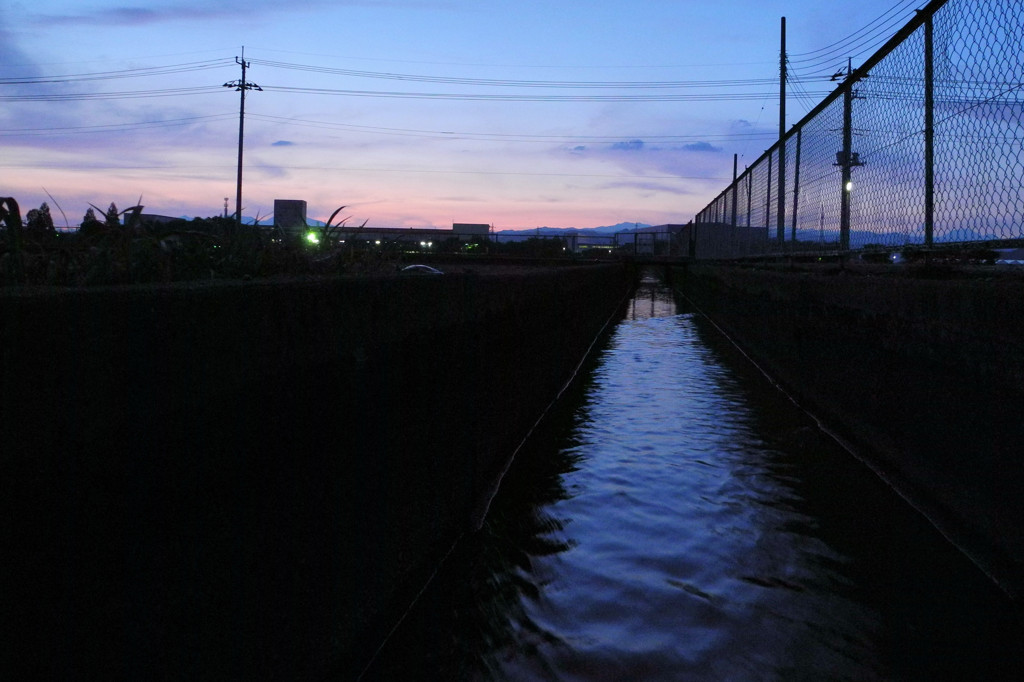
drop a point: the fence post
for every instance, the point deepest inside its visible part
(750, 193)
(735, 188)
(796, 183)
(780, 211)
(929, 134)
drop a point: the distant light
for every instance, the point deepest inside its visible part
(377, 242)
(312, 238)
(849, 185)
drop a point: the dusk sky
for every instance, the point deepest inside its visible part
(412, 113)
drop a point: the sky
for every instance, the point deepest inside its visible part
(410, 113)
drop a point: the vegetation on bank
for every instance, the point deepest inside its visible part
(123, 247)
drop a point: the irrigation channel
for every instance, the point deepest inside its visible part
(676, 517)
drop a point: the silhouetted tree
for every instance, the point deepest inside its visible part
(90, 225)
(39, 222)
(113, 218)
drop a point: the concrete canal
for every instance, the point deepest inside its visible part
(678, 518)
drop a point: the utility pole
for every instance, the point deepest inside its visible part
(241, 86)
(846, 159)
(781, 208)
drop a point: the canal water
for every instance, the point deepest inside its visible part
(676, 517)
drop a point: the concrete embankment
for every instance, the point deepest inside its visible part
(920, 371)
(248, 480)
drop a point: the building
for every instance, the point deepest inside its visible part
(290, 214)
(471, 229)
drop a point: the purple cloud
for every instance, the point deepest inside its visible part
(186, 10)
(701, 147)
(629, 146)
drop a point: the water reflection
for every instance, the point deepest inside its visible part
(474, 616)
(680, 519)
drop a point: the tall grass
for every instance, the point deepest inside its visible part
(122, 247)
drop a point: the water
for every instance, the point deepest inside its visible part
(677, 518)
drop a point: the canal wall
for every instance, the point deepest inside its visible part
(253, 479)
(918, 370)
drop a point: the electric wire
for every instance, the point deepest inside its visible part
(360, 169)
(501, 137)
(863, 39)
(660, 97)
(116, 127)
(584, 67)
(189, 67)
(118, 95)
(502, 82)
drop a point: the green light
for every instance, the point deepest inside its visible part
(312, 238)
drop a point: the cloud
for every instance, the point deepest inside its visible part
(648, 187)
(701, 147)
(282, 143)
(157, 12)
(128, 16)
(629, 146)
(189, 10)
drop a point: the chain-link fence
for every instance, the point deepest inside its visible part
(922, 145)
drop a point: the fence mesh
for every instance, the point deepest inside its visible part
(958, 64)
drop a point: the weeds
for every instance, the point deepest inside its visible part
(121, 247)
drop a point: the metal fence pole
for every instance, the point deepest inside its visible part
(750, 194)
(929, 134)
(735, 188)
(780, 216)
(796, 183)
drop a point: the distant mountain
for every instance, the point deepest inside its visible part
(556, 231)
(268, 220)
(620, 227)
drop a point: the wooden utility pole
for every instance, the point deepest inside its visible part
(241, 86)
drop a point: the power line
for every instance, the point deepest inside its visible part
(364, 169)
(190, 67)
(662, 97)
(126, 94)
(505, 82)
(899, 12)
(113, 127)
(501, 137)
(865, 40)
(492, 65)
